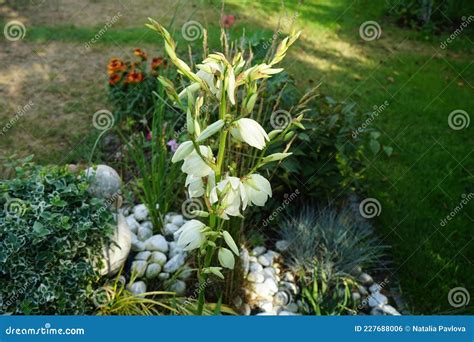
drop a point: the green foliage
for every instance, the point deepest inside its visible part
(330, 153)
(434, 15)
(51, 231)
(158, 180)
(325, 294)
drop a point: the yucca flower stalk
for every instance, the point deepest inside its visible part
(233, 84)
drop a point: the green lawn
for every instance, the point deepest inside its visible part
(432, 165)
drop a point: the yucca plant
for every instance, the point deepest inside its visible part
(233, 86)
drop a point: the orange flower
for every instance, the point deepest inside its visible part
(114, 79)
(115, 65)
(140, 53)
(157, 62)
(134, 77)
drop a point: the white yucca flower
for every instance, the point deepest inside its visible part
(257, 190)
(191, 235)
(195, 165)
(195, 186)
(229, 192)
(249, 131)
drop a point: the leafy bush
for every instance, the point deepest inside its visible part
(51, 231)
(432, 14)
(328, 155)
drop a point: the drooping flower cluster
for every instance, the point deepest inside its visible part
(233, 87)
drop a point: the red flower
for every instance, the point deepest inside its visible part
(114, 79)
(227, 21)
(157, 62)
(140, 53)
(134, 77)
(115, 65)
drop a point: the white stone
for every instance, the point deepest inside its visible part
(264, 290)
(117, 251)
(153, 270)
(105, 181)
(375, 288)
(139, 268)
(144, 233)
(174, 249)
(137, 288)
(140, 212)
(281, 298)
(265, 260)
(147, 225)
(269, 272)
(245, 309)
(390, 310)
(157, 243)
(282, 245)
(174, 263)
(290, 286)
(158, 258)
(266, 306)
(163, 276)
(256, 277)
(132, 224)
(272, 285)
(363, 291)
(178, 220)
(377, 299)
(258, 250)
(245, 261)
(144, 256)
(137, 245)
(288, 276)
(179, 287)
(253, 259)
(170, 228)
(255, 267)
(365, 279)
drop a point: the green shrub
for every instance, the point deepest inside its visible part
(432, 14)
(329, 155)
(51, 229)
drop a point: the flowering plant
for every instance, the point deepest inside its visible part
(131, 84)
(233, 84)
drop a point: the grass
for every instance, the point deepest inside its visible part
(432, 165)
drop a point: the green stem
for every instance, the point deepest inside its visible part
(213, 221)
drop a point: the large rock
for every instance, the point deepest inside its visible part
(178, 220)
(144, 233)
(116, 253)
(105, 181)
(133, 224)
(157, 243)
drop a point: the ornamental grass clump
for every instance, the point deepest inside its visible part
(232, 84)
